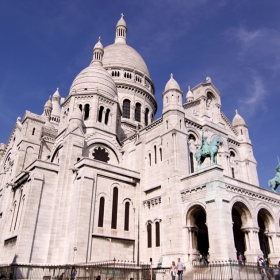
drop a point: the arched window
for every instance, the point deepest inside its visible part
(146, 116)
(150, 159)
(191, 162)
(86, 111)
(126, 109)
(138, 112)
(101, 212)
(114, 208)
(157, 234)
(81, 107)
(100, 114)
(155, 150)
(126, 216)
(160, 154)
(107, 116)
(149, 235)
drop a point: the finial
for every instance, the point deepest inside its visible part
(99, 39)
(189, 88)
(122, 15)
(171, 76)
(57, 89)
(236, 112)
(50, 98)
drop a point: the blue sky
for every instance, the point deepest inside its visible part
(45, 44)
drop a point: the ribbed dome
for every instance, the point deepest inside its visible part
(92, 78)
(238, 120)
(122, 55)
(172, 84)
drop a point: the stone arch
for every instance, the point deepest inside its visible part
(270, 220)
(266, 224)
(127, 200)
(242, 219)
(55, 156)
(196, 223)
(113, 152)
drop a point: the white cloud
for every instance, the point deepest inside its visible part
(256, 95)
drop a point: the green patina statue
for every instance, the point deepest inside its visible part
(208, 150)
(275, 182)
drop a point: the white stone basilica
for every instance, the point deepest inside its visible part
(95, 171)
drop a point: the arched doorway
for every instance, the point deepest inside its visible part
(198, 231)
(241, 218)
(264, 222)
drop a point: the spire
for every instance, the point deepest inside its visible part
(121, 31)
(98, 52)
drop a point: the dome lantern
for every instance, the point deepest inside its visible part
(98, 52)
(121, 31)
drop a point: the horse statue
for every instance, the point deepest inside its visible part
(275, 182)
(208, 150)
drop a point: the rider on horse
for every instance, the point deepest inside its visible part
(204, 144)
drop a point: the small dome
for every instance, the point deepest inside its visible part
(238, 120)
(98, 45)
(48, 104)
(121, 22)
(94, 77)
(172, 84)
(189, 94)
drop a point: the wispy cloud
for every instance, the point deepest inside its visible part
(256, 95)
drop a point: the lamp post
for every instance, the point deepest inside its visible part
(75, 249)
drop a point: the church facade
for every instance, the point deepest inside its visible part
(95, 177)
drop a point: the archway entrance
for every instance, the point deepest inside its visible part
(198, 232)
(202, 233)
(263, 223)
(241, 219)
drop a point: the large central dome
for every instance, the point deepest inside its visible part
(120, 54)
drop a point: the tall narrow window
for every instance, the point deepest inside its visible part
(138, 112)
(146, 116)
(157, 234)
(33, 131)
(18, 210)
(150, 159)
(191, 162)
(107, 116)
(114, 208)
(100, 114)
(101, 212)
(155, 150)
(81, 107)
(126, 109)
(86, 111)
(149, 233)
(126, 216)
(232, 172)
(160, 153)
(241, 132)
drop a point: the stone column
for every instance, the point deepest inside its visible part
(252, 244)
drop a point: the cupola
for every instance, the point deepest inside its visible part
(48, 108)
(172, 84)
(238, 120)
(189, 96)
(98, 52)
(121, 31)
